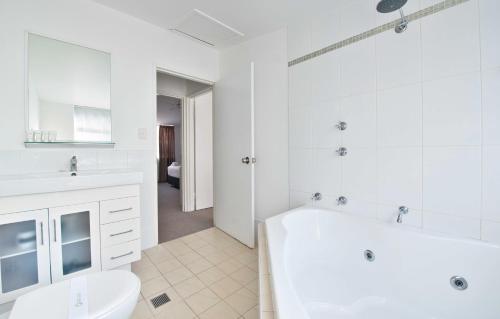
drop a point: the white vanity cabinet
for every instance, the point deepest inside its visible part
(71, 234)
(74, 240)
(24, 253)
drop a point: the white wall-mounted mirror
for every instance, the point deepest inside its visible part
(69, 89)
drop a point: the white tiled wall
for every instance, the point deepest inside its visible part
(46, 160)
(423, 116)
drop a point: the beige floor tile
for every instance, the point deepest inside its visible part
(197, 243)
(252, 313)
(222, 242)
(177, 247)
(190, 238)
(189, 286)
(189, 257)
(176, 310)
(141, 264)
(178, 275)
(168, 266)
(141, 311)
(151, 287)
(146, 274)
(235, 249)
(217, 257)
(202, 300)
(242, 300)
(206, 250)
(211, 275)
(220, 311)
(157, 254)
(225, 287)
(246, 258)
(244, 275)
(253, 286)
(199, 265)
(229, 266)
(254, 266)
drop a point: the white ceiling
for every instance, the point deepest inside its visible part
(251, 17)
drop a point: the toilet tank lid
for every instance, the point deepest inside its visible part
(107, 291)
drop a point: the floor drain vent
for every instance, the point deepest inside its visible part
(160, 300)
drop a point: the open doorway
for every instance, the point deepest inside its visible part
(184, 156)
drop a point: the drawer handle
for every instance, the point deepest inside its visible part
(120, 210)
(122, 233)
(121, 256)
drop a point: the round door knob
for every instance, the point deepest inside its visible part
(245, 160)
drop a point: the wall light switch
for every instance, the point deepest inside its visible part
(142, 133)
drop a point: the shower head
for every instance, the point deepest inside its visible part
(386, 6)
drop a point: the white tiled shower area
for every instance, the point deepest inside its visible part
(422, 114)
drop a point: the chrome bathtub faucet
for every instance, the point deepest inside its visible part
(403, 210)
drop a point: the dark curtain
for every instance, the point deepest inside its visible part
(167, 151)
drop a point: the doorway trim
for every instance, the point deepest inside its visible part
(160, 69)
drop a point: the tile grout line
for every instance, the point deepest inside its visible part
(446, 4)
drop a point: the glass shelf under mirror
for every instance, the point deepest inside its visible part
(30, 144)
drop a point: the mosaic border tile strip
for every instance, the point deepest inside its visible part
(385, 27)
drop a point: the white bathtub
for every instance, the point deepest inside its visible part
(319, 270)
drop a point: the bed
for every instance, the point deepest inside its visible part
(174, 174)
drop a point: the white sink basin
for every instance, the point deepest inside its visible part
(25, 184)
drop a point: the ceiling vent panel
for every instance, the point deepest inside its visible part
(199, 26)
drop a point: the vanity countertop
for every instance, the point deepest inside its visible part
(37, 183)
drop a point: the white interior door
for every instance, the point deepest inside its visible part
(204, 168)
(234, 207)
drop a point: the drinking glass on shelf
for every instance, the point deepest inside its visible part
(52, 136)
(29, 136)
(45, 136)
(37, 136)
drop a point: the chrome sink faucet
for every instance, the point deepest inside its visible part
(403, 210)
(73, 165)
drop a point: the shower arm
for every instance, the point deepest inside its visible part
(403, 17)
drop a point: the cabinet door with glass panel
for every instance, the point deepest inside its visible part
(74, 240)
(24, 253)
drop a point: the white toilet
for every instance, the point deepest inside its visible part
(104, 295)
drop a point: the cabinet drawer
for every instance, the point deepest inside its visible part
(119, 209)
(120, 232)
(121, 254)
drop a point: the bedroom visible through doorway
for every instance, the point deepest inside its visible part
(184, 156)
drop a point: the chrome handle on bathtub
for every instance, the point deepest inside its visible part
(342, 126)
(342, 151)
(342, 200)
(316, 197)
